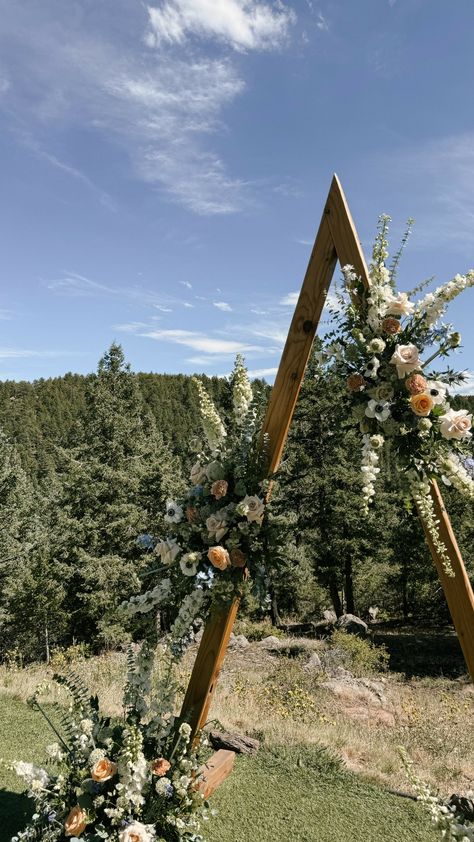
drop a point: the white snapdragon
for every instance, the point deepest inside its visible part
(133, 771)
(212, 425)
(455, 474)
(190, 609)
(143, 603)
(434, 304)
(369, 467)
(55, 752)
(420, 490)
(242, 394)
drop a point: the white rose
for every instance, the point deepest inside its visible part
(399, 305)
(197, 474)
(252, 507)
(406, 358)
(217, 525)
(137, 832)
(456, 424)
(167, 550)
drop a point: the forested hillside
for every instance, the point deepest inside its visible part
(87, 463)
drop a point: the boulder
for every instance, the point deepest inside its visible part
(270, 644)
(314, 664)
(352, 625)
(330, 616)
(238, 641)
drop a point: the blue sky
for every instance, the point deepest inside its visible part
(164, 168)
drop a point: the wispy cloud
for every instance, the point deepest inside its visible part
(186, 284)
(263, 372)
(26, 353)
(160, 106)
(222, 305)
(6, 315)
(200, 342)
(75, 285)
(289, 300)
(243, 24)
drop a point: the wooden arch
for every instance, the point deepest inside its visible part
(336, 239)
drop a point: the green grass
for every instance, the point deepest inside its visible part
(287, 794)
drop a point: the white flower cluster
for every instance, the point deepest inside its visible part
(421, 494)
(434, 304)
(455, 474)
(370, 459)
(212, 425)
(35, 777)
(189, 611)
(133, 773)
(442, 816)
(138, 685)
(142, 603)
(242, 394)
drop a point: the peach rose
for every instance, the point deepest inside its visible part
(160, 767)
(406, 358)
(456, 424)
(237, 557)
(416, 384)
(219, 488)
(421, 404)
(219, 557)
(355, 383)
(399, 305)
(391, 326)
(103, 770)
(76, 822)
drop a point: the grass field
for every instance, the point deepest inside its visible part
(301, 794)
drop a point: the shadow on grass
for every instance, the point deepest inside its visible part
(15, 810)
(423, 652)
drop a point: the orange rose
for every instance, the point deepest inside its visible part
(219, 488)
(76, 822)
(237, 558)
(421, 404)
(219, 557)
(416, 384)
(391, 326)
(103, 770)
(355, 383)
(160, 767)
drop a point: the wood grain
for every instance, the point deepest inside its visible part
(457, 590)
(215, 771)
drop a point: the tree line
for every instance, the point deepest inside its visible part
(87, 463)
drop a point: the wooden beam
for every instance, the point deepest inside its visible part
(215, 771)
(457, 590)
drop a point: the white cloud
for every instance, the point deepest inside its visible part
(6, 315)
(189, 305)
(222, 305)
(289, 300)
(25, 353)
(130, 327)
(263, 372)
(322, 23)
(163, 309)
(186, 284)
(159, 107)
(243, 24)
(200, 342)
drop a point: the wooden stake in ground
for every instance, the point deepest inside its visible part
(336, 240)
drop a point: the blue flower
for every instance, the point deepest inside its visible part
(197, 491)
(145, 541)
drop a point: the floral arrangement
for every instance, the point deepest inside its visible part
(215, 529)
(134, 779)
(384, 346)
(453, 820)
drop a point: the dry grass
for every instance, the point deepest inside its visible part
(274, 698)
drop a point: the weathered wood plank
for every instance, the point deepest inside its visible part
(215, 771)
(458, 591)
(207, 666)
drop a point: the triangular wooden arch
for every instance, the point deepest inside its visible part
(336, 240)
